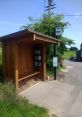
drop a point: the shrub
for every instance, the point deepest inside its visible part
(8, 93)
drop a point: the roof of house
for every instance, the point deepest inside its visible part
(23, 33)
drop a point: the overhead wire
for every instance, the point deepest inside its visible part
(67, 14)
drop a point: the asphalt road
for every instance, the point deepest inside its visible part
(62, 97)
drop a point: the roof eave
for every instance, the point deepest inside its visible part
(24, 32)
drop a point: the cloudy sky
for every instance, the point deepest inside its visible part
(14, 13)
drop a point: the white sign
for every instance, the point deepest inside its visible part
(58, 31)
(55, 62)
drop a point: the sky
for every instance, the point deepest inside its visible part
(15, 13)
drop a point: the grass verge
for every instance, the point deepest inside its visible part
(11, 105)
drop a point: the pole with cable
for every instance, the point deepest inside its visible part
(50, 6)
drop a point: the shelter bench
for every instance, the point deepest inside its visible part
(28, 76)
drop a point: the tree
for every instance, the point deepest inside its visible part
(46, 25)
(73, 48)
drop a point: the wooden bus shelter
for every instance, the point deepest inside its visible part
(24, 55)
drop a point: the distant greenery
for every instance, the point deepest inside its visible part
(11, 105)
(69, 54)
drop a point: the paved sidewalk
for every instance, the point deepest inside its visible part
(62, 98)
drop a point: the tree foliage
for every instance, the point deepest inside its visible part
(64, 43)
(46, 25)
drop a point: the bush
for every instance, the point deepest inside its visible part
(8, 94)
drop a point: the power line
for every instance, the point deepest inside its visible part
(67, 14)
(73, 15)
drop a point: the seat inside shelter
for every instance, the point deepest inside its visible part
(24, 56)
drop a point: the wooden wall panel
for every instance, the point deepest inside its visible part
(8, 61)
(25, 54)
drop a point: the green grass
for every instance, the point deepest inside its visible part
(11, 105)
(69, 54)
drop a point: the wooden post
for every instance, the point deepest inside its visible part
(16, 79)
(55, 53)
(16, 65)
(44, 63)
(54, 67)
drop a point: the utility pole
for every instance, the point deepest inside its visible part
(55, 55)
(50, 6)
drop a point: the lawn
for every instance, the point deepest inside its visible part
(69, 54)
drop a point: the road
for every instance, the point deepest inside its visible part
(60, 97)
